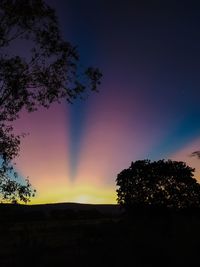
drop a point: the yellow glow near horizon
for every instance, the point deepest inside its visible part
(45, 157)
(80, 194)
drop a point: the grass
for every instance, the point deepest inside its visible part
(92, 236)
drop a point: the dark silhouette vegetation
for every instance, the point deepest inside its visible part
(37, 68)
(80, 235)
(195, 154)
(158, 185)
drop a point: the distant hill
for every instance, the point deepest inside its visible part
(57, 210)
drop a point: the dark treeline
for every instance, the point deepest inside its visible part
(69, 211)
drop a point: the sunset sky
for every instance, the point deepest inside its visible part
(147, 107)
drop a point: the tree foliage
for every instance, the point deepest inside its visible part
(169, 184)
(196, 154)
(37, 68)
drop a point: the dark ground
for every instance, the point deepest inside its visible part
(96, 235)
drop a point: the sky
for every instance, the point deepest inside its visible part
(147, 105)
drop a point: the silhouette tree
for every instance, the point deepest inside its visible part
(168, 184)
(196, 154)
(37, 68)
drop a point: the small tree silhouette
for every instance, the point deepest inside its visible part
(168, 184)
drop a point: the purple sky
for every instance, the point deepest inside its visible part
(147, 107)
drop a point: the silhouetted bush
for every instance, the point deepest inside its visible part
(158, 185)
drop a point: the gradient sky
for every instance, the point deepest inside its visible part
(147, 107)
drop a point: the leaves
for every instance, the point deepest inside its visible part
(13, 191)
(196, 154)
(159, 183)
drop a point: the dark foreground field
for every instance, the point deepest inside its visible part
(96, 235)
